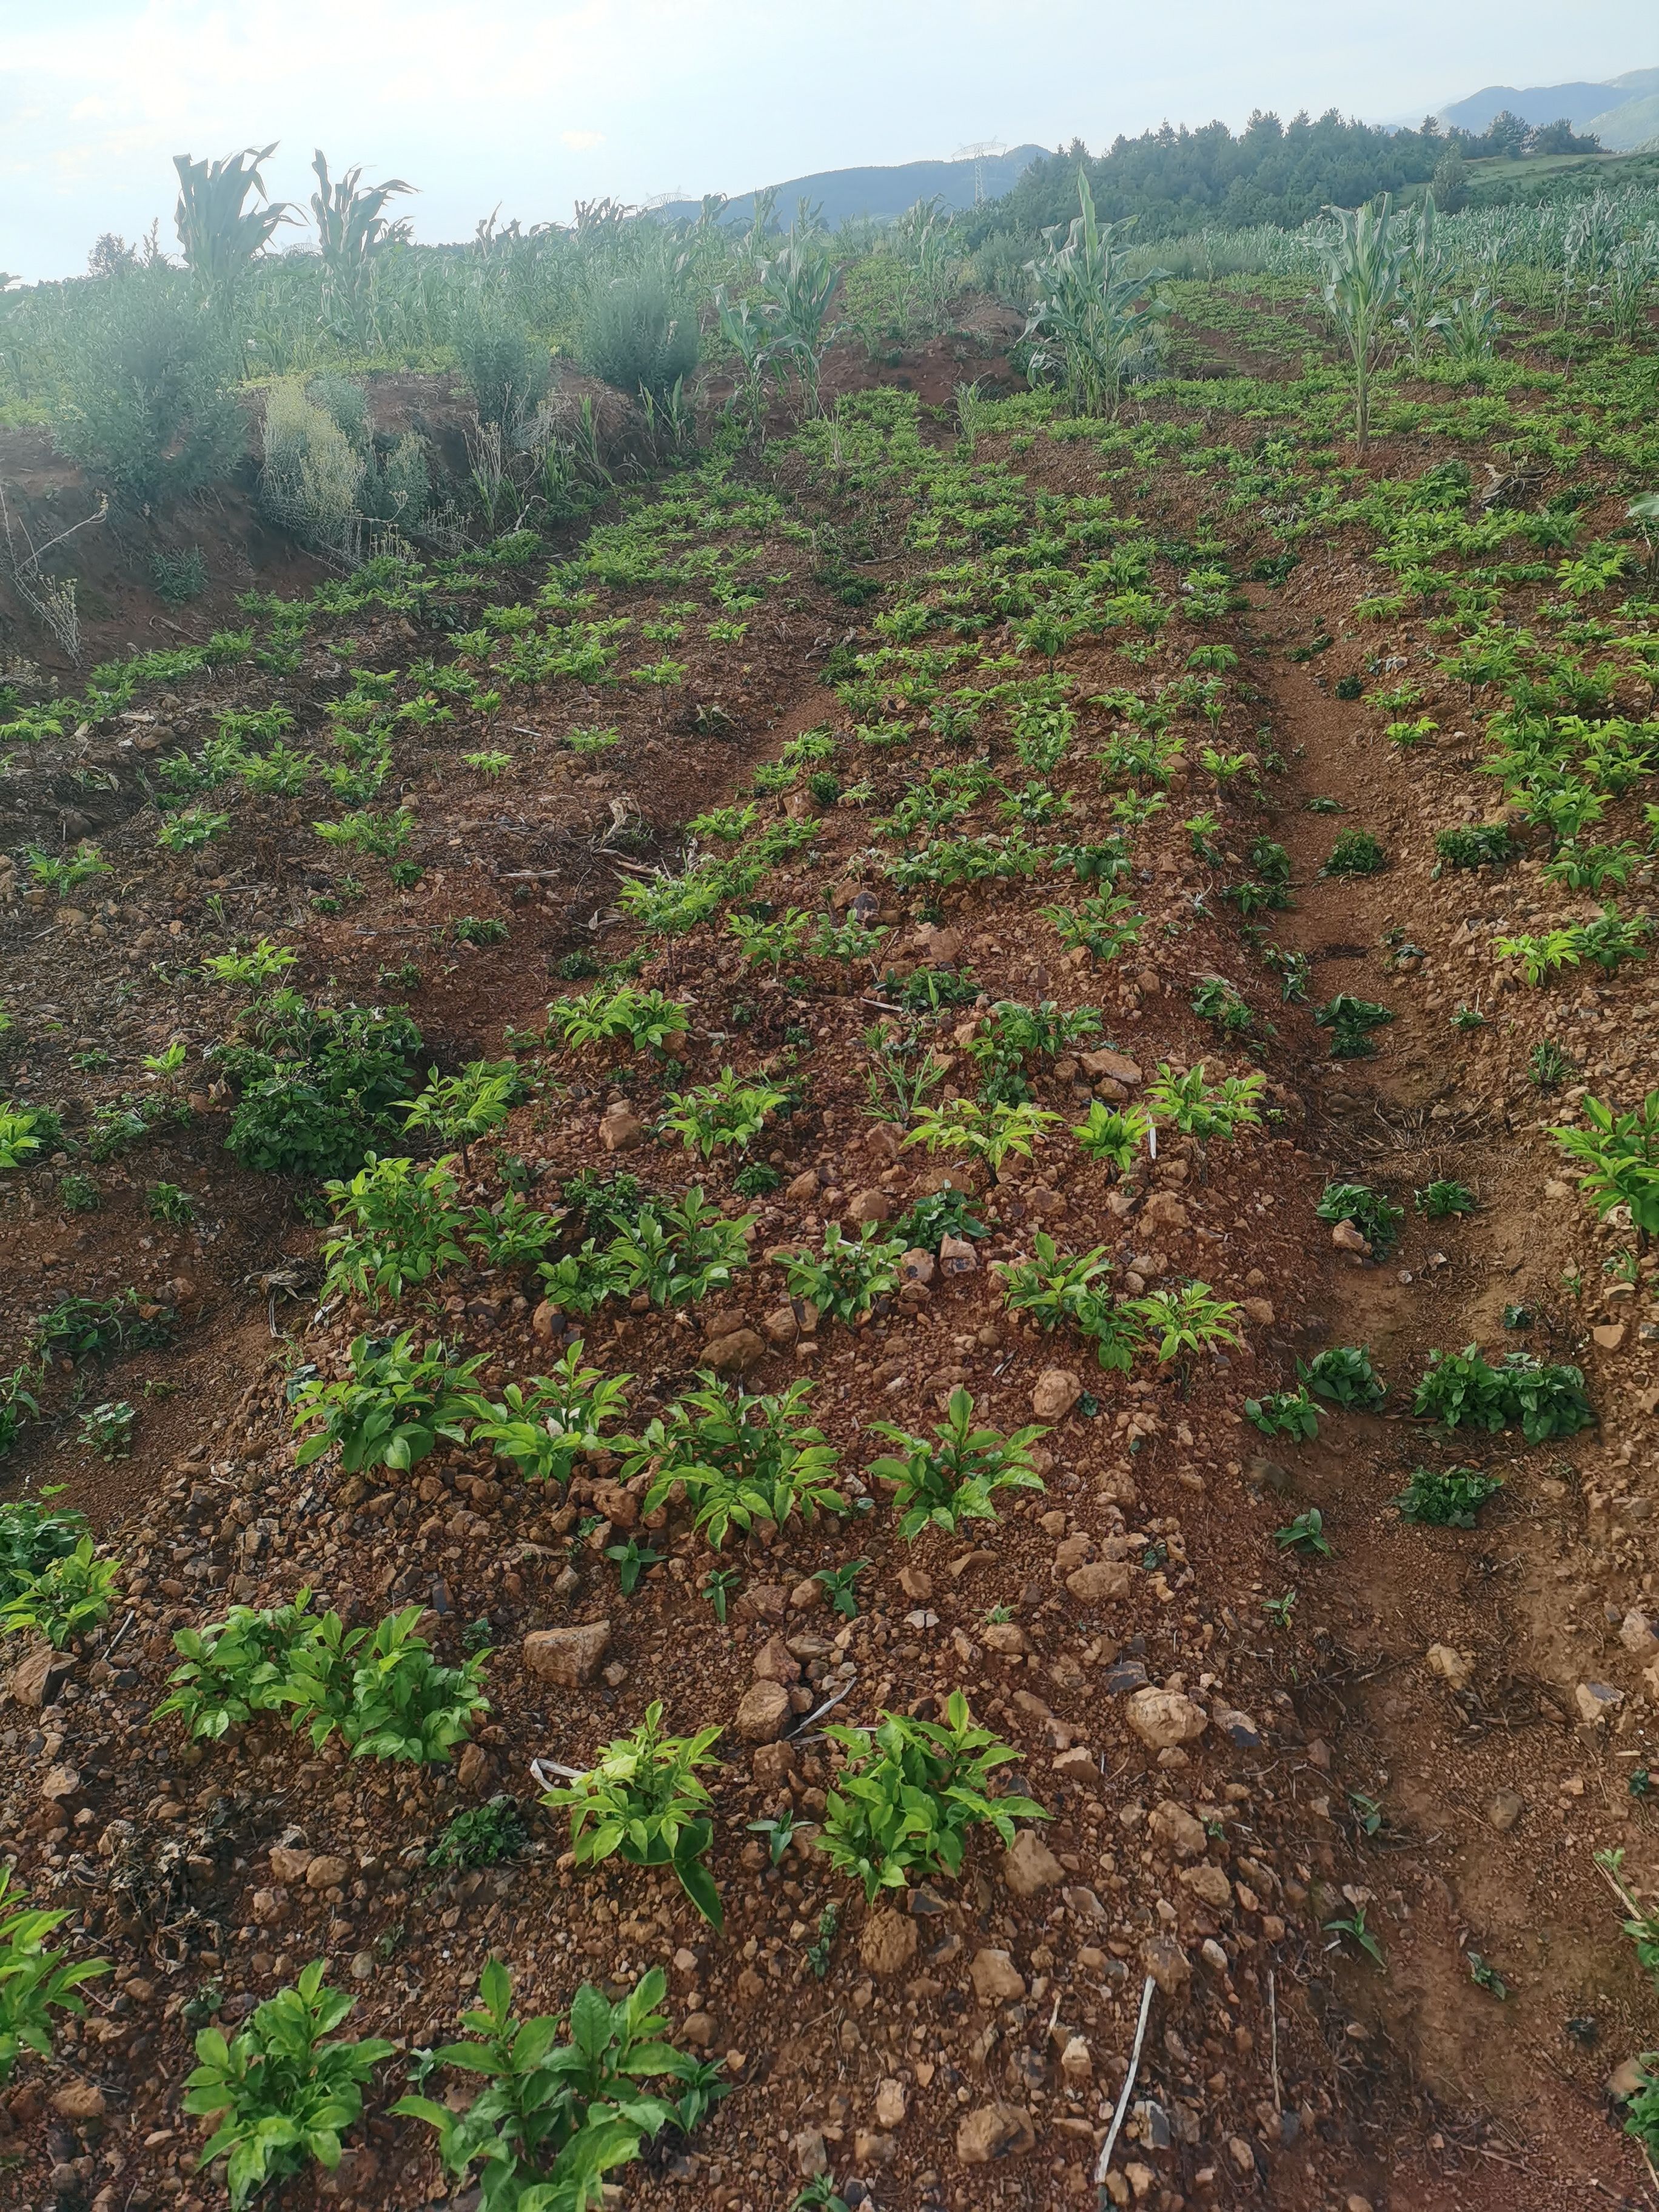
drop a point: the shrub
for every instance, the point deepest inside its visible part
(281, 2094)
(848, 1274)
(1285, 1413)
(909, 1792)
(739, 1460)
(1446, 1497)
(602, 1016)
(555, 2118)
(942, 1214)
(1344, 1374)
(509, 370)
(724, 1112)
(107, 1429)
(1487, 845)
(35, 1982)
(394, 1223)
(317, 1082)
(1376, 1218)
(481, 1836)
(1461, 1389)
(942, 1484)
(390, 1410)
(645, 1801)
(32, 1536)
(312, 475)
(1443, 1199)
(542, 1427)
(991, 1134)
(638, 332)
(1350, 1021)
(1117, 1138)
(98, 1328)
(676, 1254)
(69, 1594)
(1620, 1153)
(1356, 853)
(148, 412)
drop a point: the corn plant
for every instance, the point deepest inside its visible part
(644, 1800)
(942, 1483)
(1619, 1155)
(553, 2118)
(542, 1427)
(1096, 323)
(35, 1982)
(71, 1593)
(281, 2092)
(1366, 261)
(739, 1459)
(391, 1410)
(353, 235)
(220, 235)
(724, 1112)
(846, 1275)
(909, 1792)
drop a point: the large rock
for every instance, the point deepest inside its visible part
(1209, 1884)
(1109, 1066)
(1453, 1666)
(79, 2102)
(567, 1657)
(738, 1354)
(776, 1662)
(1096, 1584)
(1163, 1958)
(325, 1872)
(1174, 1825)
(38, 1676)
(621, 1128)
(1028, 1865)
(762, 1712)
(887, 1941)
(1164, 1718)
(1056, 1391)
(994, 2131)
(996, 1979)
(288, 1862)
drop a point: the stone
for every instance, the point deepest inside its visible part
(891, 2102)
(957, 1256)
(761, 1601)
(776, 1662)
(1209, 1884)
(916, 1583)
(1240, 1731)
(621, 1128)
(1097, 1584)
(1006, 1637)
(472, 1770)
(993, 2132)
(869, 1206)
(697, 2029)
(266, 1907)
(1609, 1336)
(938, 943)
(872, 2148)
(1626, 2079)
(1597, 1701)
(1503, 1808)
(79, 2102)
(1028, 1865)
(804, 1189)
(36, 1678)
(1164, 1718)
(1163, 1958)
(1454, 1667)
(780, 1328)
(916, 1266)
(1077, 1764)
(1174, 1826)
(60, 1782)
(887, 1941)
(327, 1873)
(773, 1765)
(1163, 1210)
(289, 1863)
(1635, 1634)
(1107, 1065)
(569, 1657)
(811, 2152)
(739, 1353)
(1077, 2061)
(1055, 1393)
(762, 1712)
(1260, 1310)
(996, 1978)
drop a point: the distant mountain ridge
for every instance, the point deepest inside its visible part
(883, 192)
(1623, 112)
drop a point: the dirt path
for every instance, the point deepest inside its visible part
(1492, 1796)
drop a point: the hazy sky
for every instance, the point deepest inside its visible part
(535, 104)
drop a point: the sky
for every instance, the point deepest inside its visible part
(532, 104)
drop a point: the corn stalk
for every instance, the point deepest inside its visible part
(1094, 323)
(219, 233)
(1364, 262)
(352, 233)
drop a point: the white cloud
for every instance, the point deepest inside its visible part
(582, 141)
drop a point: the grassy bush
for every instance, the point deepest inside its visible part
(638, 332)
(147, 415)
(508, 370)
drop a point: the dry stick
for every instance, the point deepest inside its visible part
(1103, 2162)
(1272, 2018)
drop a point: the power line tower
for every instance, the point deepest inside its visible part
(980, 151)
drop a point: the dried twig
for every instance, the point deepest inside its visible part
(1103, 2164)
